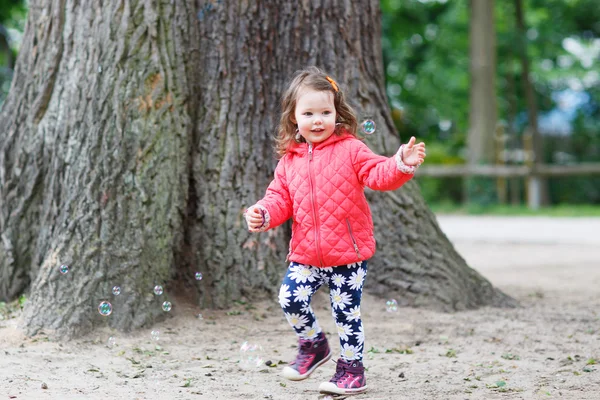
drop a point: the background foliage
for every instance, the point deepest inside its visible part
(426, 52)
(12, 23)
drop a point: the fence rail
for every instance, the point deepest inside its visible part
(507, 171)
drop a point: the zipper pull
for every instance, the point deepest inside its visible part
(310, 151)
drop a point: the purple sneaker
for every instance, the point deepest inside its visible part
(311, 354)
(349, 378)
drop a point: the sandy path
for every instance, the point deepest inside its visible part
(539, 351)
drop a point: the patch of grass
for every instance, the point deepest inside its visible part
(510, 356)
(400, 350)
(450, 353)
(10, 310)
(563, 210)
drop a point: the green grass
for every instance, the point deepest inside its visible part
(564, 210)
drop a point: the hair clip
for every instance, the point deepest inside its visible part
(335, 86)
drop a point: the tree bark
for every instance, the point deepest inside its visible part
(137, 132)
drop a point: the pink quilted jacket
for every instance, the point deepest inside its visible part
(322, 188)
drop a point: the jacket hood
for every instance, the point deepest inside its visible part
(302, 148)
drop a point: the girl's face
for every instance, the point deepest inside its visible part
(315, 115)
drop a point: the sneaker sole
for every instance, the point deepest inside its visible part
(307, 373)
(330, 388)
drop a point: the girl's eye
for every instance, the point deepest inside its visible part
(327, 112)
(307, 114)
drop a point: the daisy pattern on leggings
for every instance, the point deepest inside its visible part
(356, 279)
(311, 332)
(300, 273)
(296, 320)
(344, 331)
(306, 308)
(284, 295)
(350, 352)
(345, 284)
(360, 335)
(339, 299)
(353, 314)
(338, 280)
(302, 293)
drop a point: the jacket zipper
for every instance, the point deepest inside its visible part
(353, 240)
(314, 207)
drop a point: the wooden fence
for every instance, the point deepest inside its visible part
(508, 171)
(533, 173)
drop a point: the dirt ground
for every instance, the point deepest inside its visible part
(549, 348)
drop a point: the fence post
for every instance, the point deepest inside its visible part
(534, 184)
(500, 147)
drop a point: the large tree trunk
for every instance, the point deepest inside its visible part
(135, 134)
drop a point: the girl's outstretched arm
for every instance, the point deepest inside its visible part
(275, 208)
(387, 173)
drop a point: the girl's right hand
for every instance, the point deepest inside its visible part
(254, 219)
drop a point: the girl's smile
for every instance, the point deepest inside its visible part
(315, 115)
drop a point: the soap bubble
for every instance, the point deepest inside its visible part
(198, 276)
(166, 306)
(64, 269)
(391, 305)
(111, 342)
(200, 317)
(251, 356)
(105, 308)
(116, 290)
(155, 335)
(368, 126)
(158, 290)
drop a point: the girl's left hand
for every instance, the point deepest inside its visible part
(413, 154)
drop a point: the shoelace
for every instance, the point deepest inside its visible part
(344, 370)
(303, 355)
(340, 371)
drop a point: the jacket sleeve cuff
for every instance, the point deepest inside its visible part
(266, 217)
(407, 169)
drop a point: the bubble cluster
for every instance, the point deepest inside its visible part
(158, 290)
(251, 356)
(64, 269)
(155, 335)
(105, 308)
(116, 290)
(391, 305)
(166, 306)
(198, 276)
(368, 126)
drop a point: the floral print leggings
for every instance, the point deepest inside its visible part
(345, 292)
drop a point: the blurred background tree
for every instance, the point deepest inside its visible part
(426, 52)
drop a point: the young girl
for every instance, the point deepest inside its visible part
(319, 183)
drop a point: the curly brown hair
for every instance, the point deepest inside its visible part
(315, 79)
